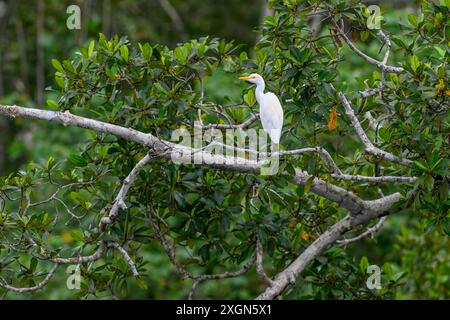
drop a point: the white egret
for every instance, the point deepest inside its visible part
(270, 110)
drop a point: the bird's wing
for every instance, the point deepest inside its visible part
(271, 114)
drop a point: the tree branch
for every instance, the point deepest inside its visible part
(370, 148)
(291, 273)
(183, 154)
(126, 256)
(243, 125)
(103, 246)
(369, 232)
(380, 64)
(259, 264)
(359, 178)
(39, 286)
(119, 203)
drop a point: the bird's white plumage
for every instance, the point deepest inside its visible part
(271, 114)
(270, 110)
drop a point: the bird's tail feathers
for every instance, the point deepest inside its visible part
(275, 135)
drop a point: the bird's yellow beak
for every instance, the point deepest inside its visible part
(245, 78)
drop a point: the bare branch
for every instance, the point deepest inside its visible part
(370, 148)
(388, 43)
(321, 151)
(243, 125)
(170, 249)
(372, 122)
(126, 256)
(82, 259)
(370, 92)
(58, 190)
(344, 198)
(103, 245)
(259, 264)
(39, 286)
(119, 203)
(396, 179)
(369, 232)
(380, 64)
(219, 276)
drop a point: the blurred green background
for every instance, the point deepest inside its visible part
(33, 32)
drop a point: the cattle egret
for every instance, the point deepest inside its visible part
(270, 111)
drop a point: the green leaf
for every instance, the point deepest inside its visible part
(112, 73)
(413, 19)
(421, 166)
(141, 283)
(363, 264)
(60, 81)
(415, 62)
(146, 50)
(87, 205)
(52, 104)
(399, 42)
(181, 54)
(77, 235)
(387, 268)
(160, 87)
(445, 3)
(91, 48)
(204, 252)
(300, 56)
(76, 197)
(124, 52)
(429, 182)
(78, 160)
(57, 65)
(33, 264)
(364, 35)
(219, 195)
(50, 163)
(249, 98)
(271, 21)
(116, 108)
(436, 165)
(446, 225)
(69, 67)
(290, 169)
(431, 224)
(400, 275)
(308, 184)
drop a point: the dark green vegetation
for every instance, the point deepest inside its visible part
(141, 78)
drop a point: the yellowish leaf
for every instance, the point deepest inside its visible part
(332, 119)
(305, 235)
(440, 87)
(66, 237)
(292, 223)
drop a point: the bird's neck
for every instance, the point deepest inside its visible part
(259, 92)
